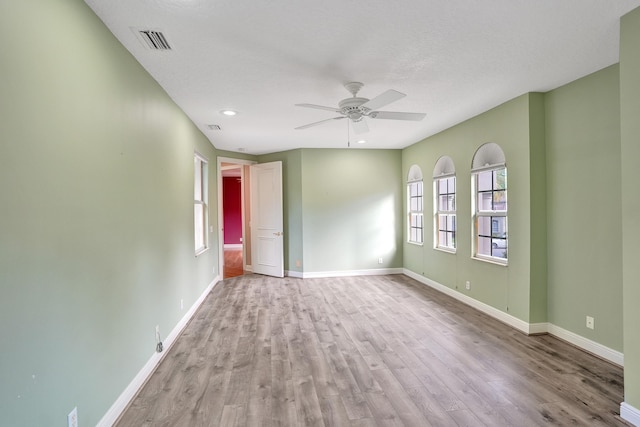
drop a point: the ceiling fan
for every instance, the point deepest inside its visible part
(356, 109)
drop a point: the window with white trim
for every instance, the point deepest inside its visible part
(415, 205)
(489, 179)
(444, 190)
(200, 203)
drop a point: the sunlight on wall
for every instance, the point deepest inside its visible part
(381, 234)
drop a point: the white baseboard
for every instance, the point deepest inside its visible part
(290, 273)
(478, 305)
(630, 414)
(140, 379)
(347, 273)
(232, 246)
(586, 344)
(538, 328)
(528, 328)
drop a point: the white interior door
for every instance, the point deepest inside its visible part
(267, 248)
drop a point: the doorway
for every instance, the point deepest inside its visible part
(233, 214)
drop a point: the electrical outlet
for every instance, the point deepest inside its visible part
(467, 285)
(298, 263)
(181, 304)
(590, 322)
(72, 418)
(380, 260)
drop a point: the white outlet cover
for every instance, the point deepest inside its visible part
(72, 418)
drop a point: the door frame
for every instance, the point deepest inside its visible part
(240, 162)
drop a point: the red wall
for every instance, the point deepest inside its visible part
(232, 209)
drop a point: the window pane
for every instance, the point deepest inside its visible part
(484, 226)
(197, 192)
(198, 210)
(451, 223)
(442, 222)
(500, 200)
(484, 246)
(451, 202)
(442, 186)
(485, 181)
(442, 238)
(452, 184)
(442, 203)
(485, 201)
(499, 227)
(500, 179)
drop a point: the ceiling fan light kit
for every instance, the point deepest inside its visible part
(356, 108)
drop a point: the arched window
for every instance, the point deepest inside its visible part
(489, 182)
(444, 191)
(415, 204)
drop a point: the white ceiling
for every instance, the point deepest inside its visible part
(454, 59)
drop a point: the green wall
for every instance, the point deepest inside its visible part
(584, 206)
(96, 184)
(508, 288)
(352, 209)
(630, 154)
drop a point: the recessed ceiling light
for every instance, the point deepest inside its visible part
(362, 141)
(229, 112)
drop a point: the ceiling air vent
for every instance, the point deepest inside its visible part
(214, 127)
(154, 40)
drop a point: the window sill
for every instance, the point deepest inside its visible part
(495, 261)
(416, 243)
(447, 250)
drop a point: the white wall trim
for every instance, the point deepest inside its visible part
(346, 273)
(290, 273)
(538, 328)
(630, 414)
(140, 379)
(233, 246)
(586, 344)
(478, 305)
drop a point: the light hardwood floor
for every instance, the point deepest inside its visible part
(232, 263)
(366, 351)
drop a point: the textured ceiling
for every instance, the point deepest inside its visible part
(454, 59)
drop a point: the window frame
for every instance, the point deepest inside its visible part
(448, 213)
(492, 213)
(415, 217)
(418, 213)
(200, 204)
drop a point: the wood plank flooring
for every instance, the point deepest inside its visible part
(366, 351)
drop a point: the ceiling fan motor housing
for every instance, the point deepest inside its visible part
(351, 107)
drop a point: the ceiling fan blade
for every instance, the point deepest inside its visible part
(360, 127)
(383, 99)
(318, 107)
(394, 115)
(320, 122)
